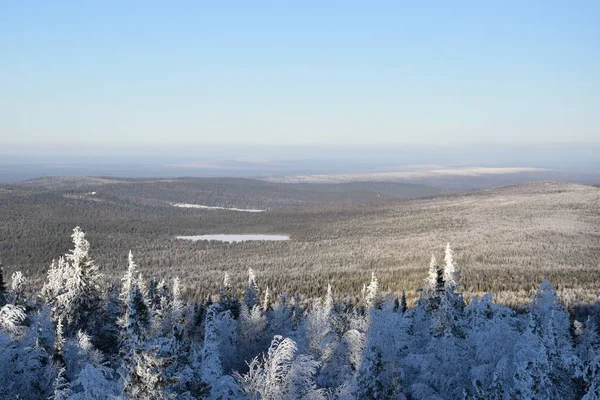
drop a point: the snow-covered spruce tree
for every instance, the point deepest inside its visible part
(492, 335)
(551, 323)
(131, 277)
(451, 271)
(89, 373)
(73, 288)
(212, 367)
(26, 368)
(139, 368)
(108, 336)
(532, 368)
(177, 310)
(227, 340)
(251, 334)
(59, 344)
(280, 319)
(379, 376)
(432, 278)
(17, 286)
(227, 297)
(281, 374)
(11, 319)
(433, 288)
(62, 389)
(588, 350)
(319, 324)
(403, 306)
(152, 295)
(372, 296)
(251, 297)
(446, 304)
(266, 303)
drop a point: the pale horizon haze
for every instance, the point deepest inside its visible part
(153, 74)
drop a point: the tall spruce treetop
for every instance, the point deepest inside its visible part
(432, 275)
(130, 277)
(73, 287)
(17, 286)
(372, 295)
(266, 306)
(251, 296)
(79, 255)
(451, 270)
(329, 299)
(225, 289)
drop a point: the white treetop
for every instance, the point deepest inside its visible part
(372, 297)
(130, 276)
(451, 271)
(432, 275)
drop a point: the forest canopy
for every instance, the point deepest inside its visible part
(86, 338)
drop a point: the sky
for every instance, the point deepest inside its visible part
(122, 74)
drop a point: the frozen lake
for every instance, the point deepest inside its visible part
(235, 238)
(185, 205)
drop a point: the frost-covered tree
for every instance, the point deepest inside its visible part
(532, 367)
(251, 297)
(266, 304)
(372, 296)
(62, 389)
(492, 335)
(403, 305)
(432, 277)
(281, 374)
(73, 288)
(17, 285)
(130, 278)
(588, 350)
(451, 271)
(379, 373)
(145, 378)
(26, 368)
(319, 322)
(95, 383)
(59, 343)
(11, 319)
(551, 323)
(136, 320)
(251, 333)
(212, 368)
(227, 298)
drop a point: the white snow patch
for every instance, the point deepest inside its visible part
(235, 238)
(185, 205)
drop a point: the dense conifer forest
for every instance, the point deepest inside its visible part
(509, 238)
(82, 337)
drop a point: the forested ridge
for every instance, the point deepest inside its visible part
(511, 238)
(85, 338)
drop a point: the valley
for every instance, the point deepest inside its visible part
(507, 239)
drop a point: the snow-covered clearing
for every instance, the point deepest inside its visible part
(185, 205)
(235, 238)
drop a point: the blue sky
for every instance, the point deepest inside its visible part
(115, 73)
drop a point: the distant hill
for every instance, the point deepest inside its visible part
(229, 192)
